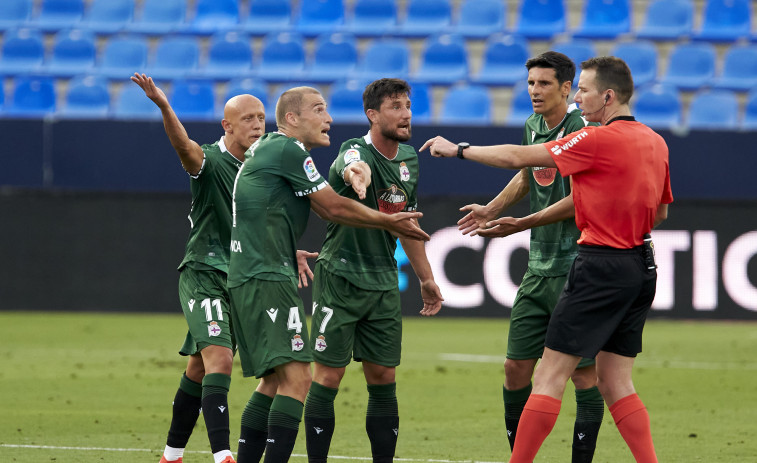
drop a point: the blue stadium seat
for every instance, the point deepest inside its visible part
(248, 85)
(107, 16)
(444, 60)
(15, 13)
(267, 16)
(87, 97)
(316, 17)
(211, 16)
(345, 103)
(123, 56)
(229, 55)
(520, 106)
(425, 17)
(174, 58)
(33, 97)
(334, 57)
(74, 53)
(2, 99)
(158, 17)
(467, 105)
(739, 69)
(658, 106)
(667, 20)
(383, 58)
(420, 102)
(478, 19)
(578, 50)
(541, 19)
(193, 99)
(604, 19)
(750, 111)
(725, 20)
(23, 51)
(282, 58)
(372, 18)
(503, 61)
(714, 110)
(132, 104)
(55, 15)
(641, 57)
(691, 65)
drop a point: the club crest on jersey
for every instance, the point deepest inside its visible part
(214, 329)
(297, 343)
(404, 172)
(310, 169)
(392, 199)
(350, 156)
(320, 343)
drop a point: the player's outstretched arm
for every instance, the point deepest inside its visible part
(478, 215)
(189, 151)
(506, 226)
(358, 175)
(430, 292)
(303, 269)
(503, 156)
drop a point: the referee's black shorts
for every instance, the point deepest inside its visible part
(604, 303)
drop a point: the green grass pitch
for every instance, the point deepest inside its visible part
(90, 387)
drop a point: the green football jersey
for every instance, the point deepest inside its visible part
(271, 209)
(366, 256)
(554, 246)
(210, 215)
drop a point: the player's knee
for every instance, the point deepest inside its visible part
(518, 373)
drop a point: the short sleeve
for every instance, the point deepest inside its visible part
(348, 155)
(299, 170)
(667, 193)
(575, 152)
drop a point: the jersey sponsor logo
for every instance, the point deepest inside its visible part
(556, 150)
(544, 176)
(297, 343)
(350, 156)
(272, 313)
(404, 172)
(392, 199)
(214, 329)
(236, 246)
(320, 343)
(310, 169)
(191, 304)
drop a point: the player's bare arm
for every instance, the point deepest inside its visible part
(661, 216)
(503, 156)
(303, 269)
(430, 292)
(478, 215)
(358, 175)
(506, 226)
(190, 153)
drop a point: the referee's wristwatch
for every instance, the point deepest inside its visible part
(460, 147)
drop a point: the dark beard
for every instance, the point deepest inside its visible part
(392, 135)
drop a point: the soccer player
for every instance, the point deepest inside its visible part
(202, 282)
(603, 307)
(553, 249)
(356, 299)
(273, 194)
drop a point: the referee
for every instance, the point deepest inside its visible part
(621, 190)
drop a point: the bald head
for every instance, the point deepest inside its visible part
(291, 102)
(240, 104)
(243, 122)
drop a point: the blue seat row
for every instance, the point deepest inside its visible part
(723, 20)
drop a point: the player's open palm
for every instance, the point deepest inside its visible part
(504, 226)
(359, 175)
(432, 298)
(151, 90)
(405, 225)
(475, 219)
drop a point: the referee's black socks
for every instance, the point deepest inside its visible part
(319, 421)
(382, 421)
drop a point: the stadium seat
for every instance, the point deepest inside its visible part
(540, 19)
(334, 57)
(23, 51)
(87, 97)
(73, 53)
(193, 99)
(372, 18)
(503, 61)
(739, 69)
(444, 60)
(211, 16)
(107, 16)
(15, 13)
(158, 17)
(478, 19)
(267, 16)
(33, 97)
(658, 106)
(425, 17)
(725, 20)
(345, 103)
(578, 50)
(174, 58)
(282, 58)
(714, 110)
(667, 20)
(641, 57)
(123, 56)
(383, 58)
(2, 99)
(520, 106)
(604, 19)
(691, 65)
(750, 111)
(467, 105)
(316, 17)
(420, 102)
(131, 104)
(248, 85)
(229, 56)
(55, 15)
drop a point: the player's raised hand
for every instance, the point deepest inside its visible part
(432, 298)
(303, 270)
(440, 147)
(504, 226)
(151, 90)
(358, 175)
(476, 218)
(405, 225)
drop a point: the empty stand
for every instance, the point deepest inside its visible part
(229, 55)
(503, 61)
(251, 86)
(282, 58)
(108, 16)
(158, 17)
(750, 111)
(123, 56)
(541, 19)
(193, 99)
(420, 102)
(23, 51)
(267, 16)
(658, 106)
(33, 97)
(467, 105)
(383, 58)
(481, 18)
(316, 17)
(132, 104)
(372, 18)
(174, 58)
(211, 16)
(73, 53)
(691, 65)
(725, 20)
(714, 110)
(667, 20)
(641, 57)
(739, 69)
(334, 57)
(425, 17)
(520, 106)
(55, 15)
(15, 13)
(578, 50)
(444, 60)
(87, 97)
(604, 19)
(345, 102)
